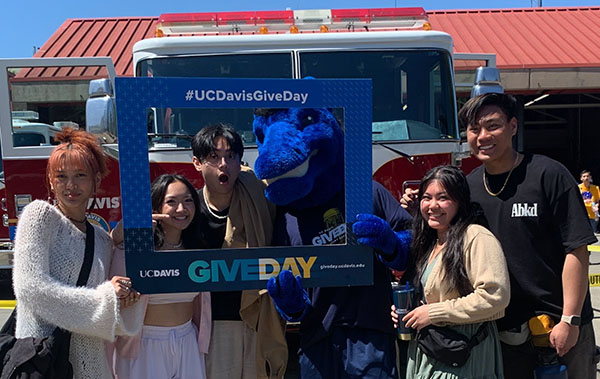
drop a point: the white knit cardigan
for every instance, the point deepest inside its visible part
(49, 252)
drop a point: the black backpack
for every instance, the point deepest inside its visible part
(42, 357)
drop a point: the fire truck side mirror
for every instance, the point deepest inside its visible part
(487, 80)
(100, 111)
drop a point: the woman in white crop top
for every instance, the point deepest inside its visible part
(169, 345)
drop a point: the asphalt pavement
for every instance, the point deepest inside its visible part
(6, 302)
(4, 313)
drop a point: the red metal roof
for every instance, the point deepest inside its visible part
(526, 38)
(99, 37)
(521, 38)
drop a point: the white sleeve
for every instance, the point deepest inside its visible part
(83, 310)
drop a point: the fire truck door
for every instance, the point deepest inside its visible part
(38, 97)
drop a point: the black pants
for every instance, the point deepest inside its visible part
(521, 360)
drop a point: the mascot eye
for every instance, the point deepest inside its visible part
(307, 120)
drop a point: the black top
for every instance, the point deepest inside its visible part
(224, 305)
(538, 218)
(359, 306)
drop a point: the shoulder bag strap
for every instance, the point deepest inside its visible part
(480, 335)
(88, 259)
(84, 274)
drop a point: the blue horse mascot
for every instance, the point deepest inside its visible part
(344, 331)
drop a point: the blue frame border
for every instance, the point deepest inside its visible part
(237, 269)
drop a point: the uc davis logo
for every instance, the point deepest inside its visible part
(96, 219)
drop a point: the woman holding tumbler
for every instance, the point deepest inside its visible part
(462, 270)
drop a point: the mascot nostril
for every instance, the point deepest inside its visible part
(301, 156)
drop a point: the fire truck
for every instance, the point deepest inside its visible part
(28, 133)
(414, 111)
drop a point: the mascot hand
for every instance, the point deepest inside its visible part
(290, 299)
(377, 233)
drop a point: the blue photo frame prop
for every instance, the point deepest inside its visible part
(238, 269)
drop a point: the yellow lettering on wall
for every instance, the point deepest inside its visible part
(594, 280)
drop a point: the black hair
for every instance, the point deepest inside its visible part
(456, 186)
(190, 235)
(203, 143)
(506, 103)
(585, 172)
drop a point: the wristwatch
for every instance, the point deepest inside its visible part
(571, 320)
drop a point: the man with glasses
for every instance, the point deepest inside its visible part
(248, 335)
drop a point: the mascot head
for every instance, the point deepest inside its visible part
(300, 154)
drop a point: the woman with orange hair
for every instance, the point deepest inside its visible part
(49, 251)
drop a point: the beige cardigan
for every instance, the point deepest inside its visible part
(250, 224)
(486, 267)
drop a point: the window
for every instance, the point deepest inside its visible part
(175, 127)
(28, 139)
(413, 96)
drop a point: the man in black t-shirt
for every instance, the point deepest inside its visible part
(217, 155)
(534, 208)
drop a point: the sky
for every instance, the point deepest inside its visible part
(27, 24)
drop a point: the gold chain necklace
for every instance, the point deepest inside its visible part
(505, 181)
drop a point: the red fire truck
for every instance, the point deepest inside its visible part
(411, 66)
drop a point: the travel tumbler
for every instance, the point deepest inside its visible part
(404, 303)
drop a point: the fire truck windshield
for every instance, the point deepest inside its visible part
(412, 90)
